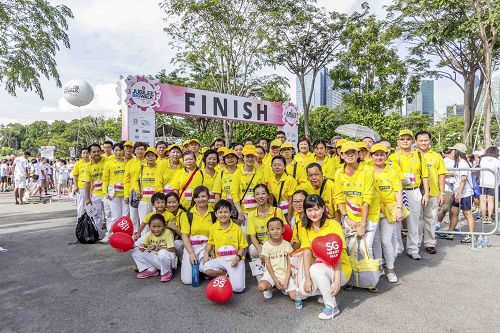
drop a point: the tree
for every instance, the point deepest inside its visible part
(222, 40)
(369, 67)
(31, 33)
(443, 29)
(303, 39)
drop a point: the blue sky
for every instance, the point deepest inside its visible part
(120, 37)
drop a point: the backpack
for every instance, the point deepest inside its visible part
(189, 215)
(85, 231)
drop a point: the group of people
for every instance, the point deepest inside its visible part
(216, 206)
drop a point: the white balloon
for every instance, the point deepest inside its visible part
(78, 92)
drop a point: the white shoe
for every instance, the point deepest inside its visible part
(392, 277)
(329, 313)
(105, 239)
(268, 294)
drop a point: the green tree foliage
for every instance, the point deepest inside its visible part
(31, 33)
(369, 67)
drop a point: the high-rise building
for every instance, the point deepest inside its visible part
(455, 110)
(423, 100)
(323, 93)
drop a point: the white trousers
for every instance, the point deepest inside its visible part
(80, 202)
(371, 230)
(144, 209)
(186, 267)
(252, 252)
(397, 239)
(107, 212)
(236, 274)
(428, 218)
(179, 248)
(134, 216)
(118, 209)
(164, 260)
(97, 208)
(322, 277)
(413, 221)
(384, 245)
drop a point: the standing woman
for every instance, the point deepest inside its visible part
(187, 179)
(328, 164)
(319, 276)
(281, 185)
(355, 197)
(488, 182)
(210, 160)
(242, 188)
(238, 148)
(225, 178)
(304, 157)
(297, 219)
(389, 189)
(195, 227)
(293, 168)
(144, 183)
(167, 168)
(112, 178)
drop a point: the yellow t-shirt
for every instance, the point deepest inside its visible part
(285, 186)
(200, 225)
(354, 191)
(305, 160)
(113, 173)
(93, 175)
(165, 175)
(169, 217)
(146, 178)
(222, 184)
(296, 170)
(181, 177)
(164, 240)
(78, 171)
(328, 167)
(435, 166)
(327, 194)
(241, 182)
(257, 225)
(209, 181)
(131, 167)
(410, 166)
(386, 183)
(278, 257)
(329, 227)
(226, 242)
(296, 226)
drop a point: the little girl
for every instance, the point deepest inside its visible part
(276, 254)
(157, 251)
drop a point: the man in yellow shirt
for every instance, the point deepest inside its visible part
(93, 185)
(437, 173)
(132, 167)
(318, 184)
(79, 186)
(414, 174)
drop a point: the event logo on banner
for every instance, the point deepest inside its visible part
(291, 122)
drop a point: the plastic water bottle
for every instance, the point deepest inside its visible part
(486, 241)
(298, 303)
(480, 242)
(195, 275)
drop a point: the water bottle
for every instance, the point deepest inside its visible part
(298, 303)
(486, 241)
(479, 242)
(195, 274)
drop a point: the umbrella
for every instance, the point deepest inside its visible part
(357, 131)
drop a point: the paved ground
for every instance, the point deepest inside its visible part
(47, 285)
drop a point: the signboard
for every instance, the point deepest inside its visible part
(72, 152)
(291, 123)
(47, 152)
(142, 96)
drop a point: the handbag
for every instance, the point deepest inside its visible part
(389, 212)
(365, 273)
(134, 198)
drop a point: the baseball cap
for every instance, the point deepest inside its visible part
(249, 150)
(276, 143)
(349, 145)
(406, 132)
(460, 147)
(128, 143)
(151, 150)
(286, 144)
(229, 152)
(174, 146)
(362, 145)
(340, 142)
(193, 140)
(379, 146)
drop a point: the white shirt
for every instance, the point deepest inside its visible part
(468, 184)
(487, 179)
(3, 170)
(20, 166)
(449, 182)
(64, 172)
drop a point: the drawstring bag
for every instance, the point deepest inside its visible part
(85, 231)
(365, 273)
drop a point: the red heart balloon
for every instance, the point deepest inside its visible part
(123, 224)
(121, 242)
(219, 290)
(288, 233)
(328, 248)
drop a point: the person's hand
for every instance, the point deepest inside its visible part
(350, 223)
(151, 248)
(126, 200)
(241, 218)
(139, 195)
(192, 258)
(279, 285)
(88, 202)
(425, 200)
(308, 286)
(335, 287)
(441, 199)
(235, 261)
(108, 197)
(399, 214)
(142, 248)
(171, 225)
(456, 197)
(136, 235)
(360, 230)
(205, 259)
(262, 260)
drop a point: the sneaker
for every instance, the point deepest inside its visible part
(268, 294)
(392, 277)
(166, 277)
(382, 272)
(373, 290)
(147, 273)
(466, 240)
(487, 220)
(329, 313)
(414, 256)
(320, 300)
(446, 236)
(105, 239)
